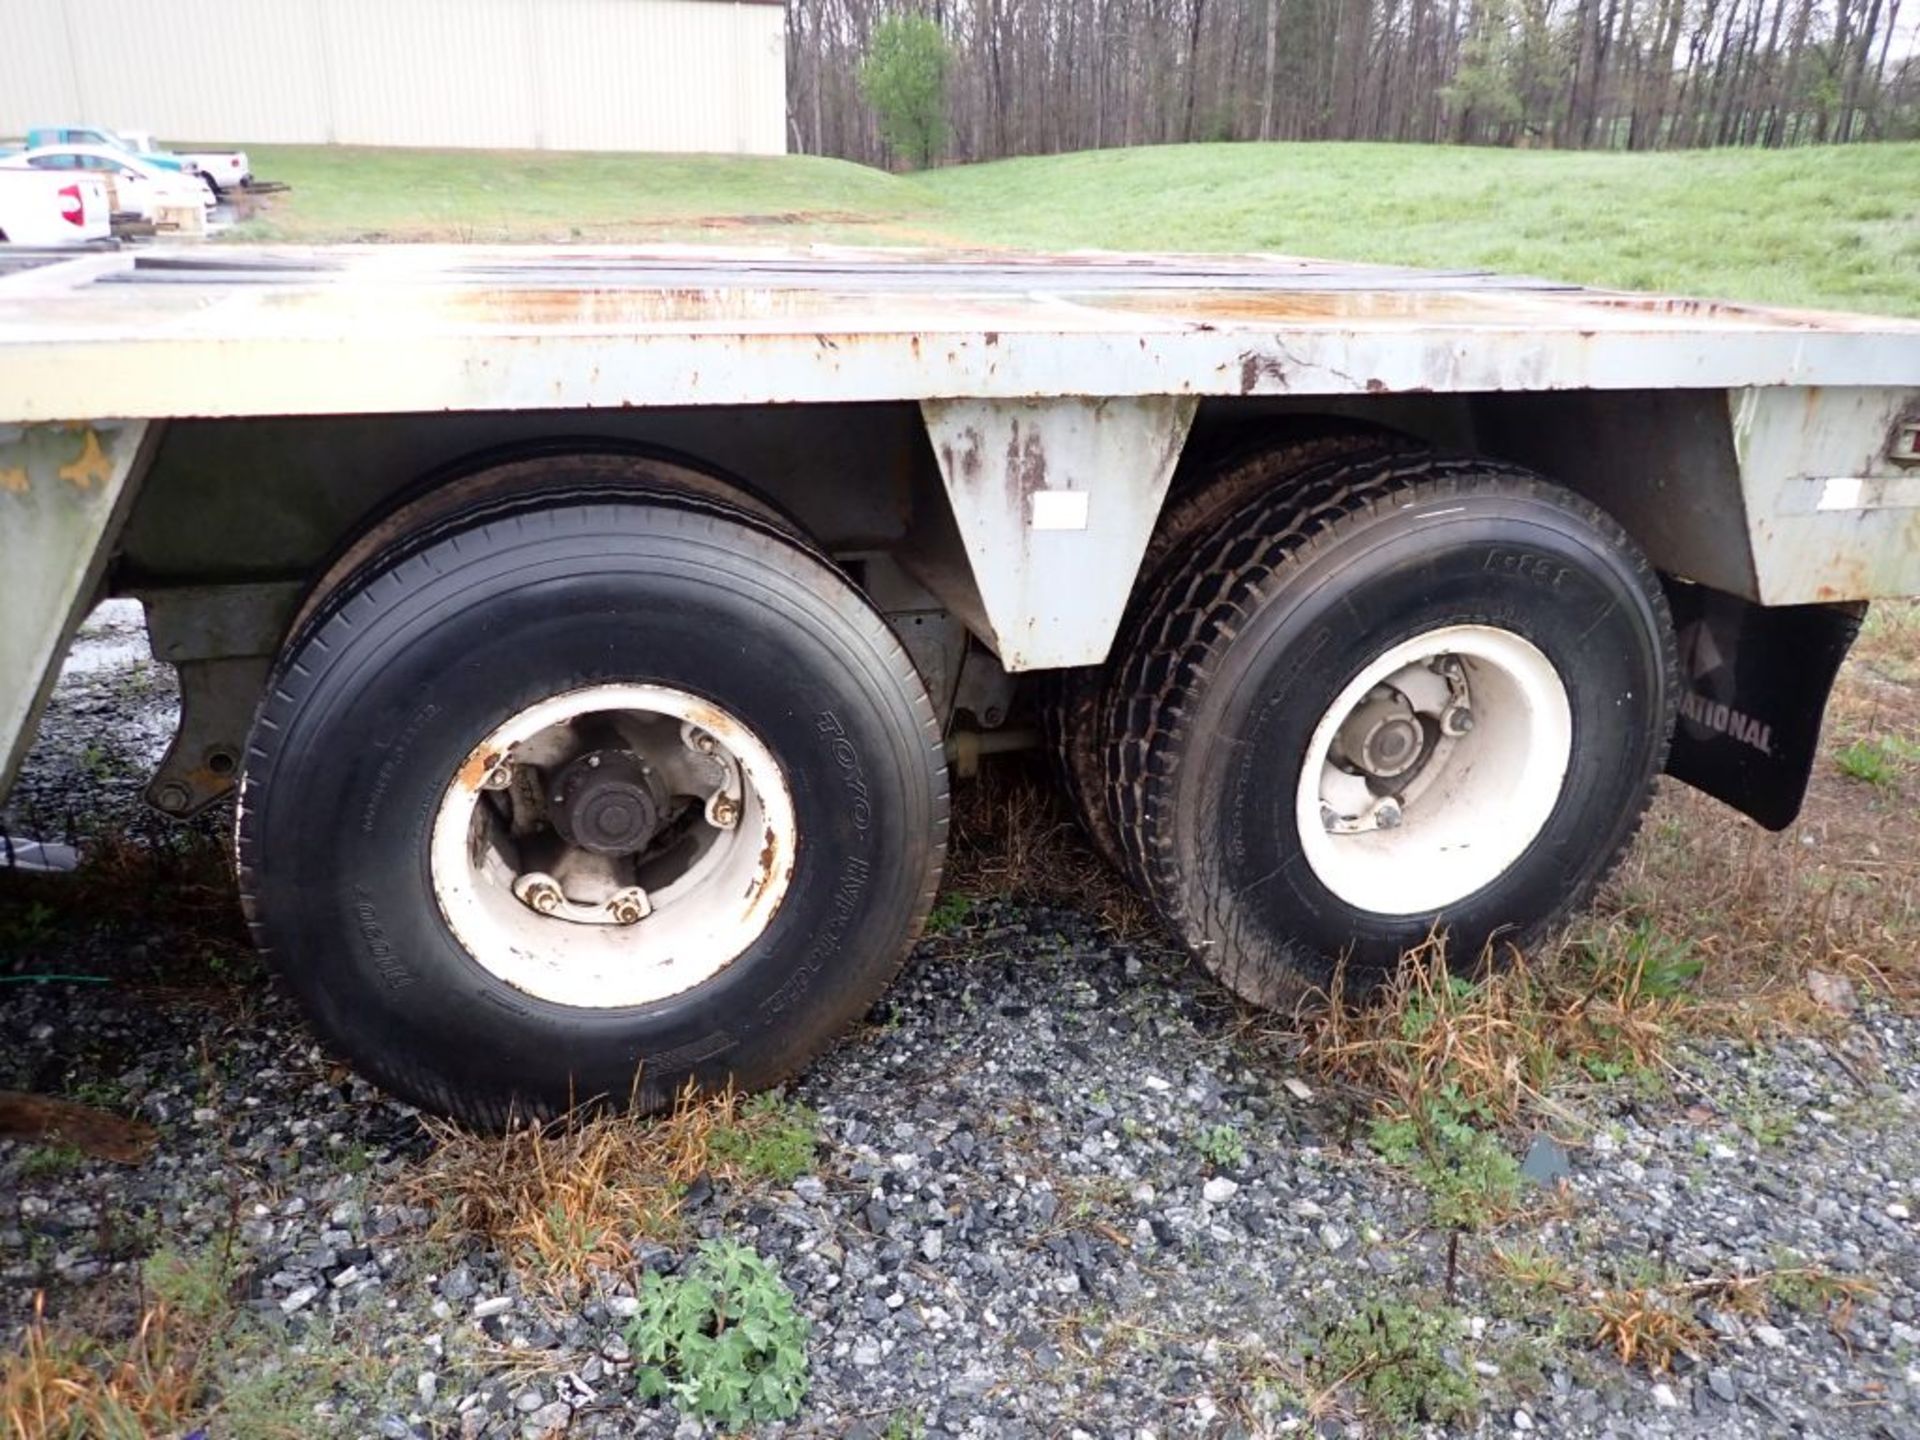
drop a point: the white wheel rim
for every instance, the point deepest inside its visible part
(1475, 804)
(721, 889)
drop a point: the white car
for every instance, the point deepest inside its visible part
(135, 186)
(38, 209)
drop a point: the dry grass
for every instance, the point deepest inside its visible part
(1499, 1044)
(1647, 1325)
(1651, 1324)
(581, 1194)
(1013, 837)
(1838, 892)
(60, 1384)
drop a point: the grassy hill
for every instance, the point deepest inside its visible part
(1833, 227)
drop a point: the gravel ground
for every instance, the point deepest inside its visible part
(1010, 1229)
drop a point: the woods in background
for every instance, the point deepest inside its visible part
(1020, 77)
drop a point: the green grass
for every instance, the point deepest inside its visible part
(1835, 227)
(350, 193)
(1877, 762)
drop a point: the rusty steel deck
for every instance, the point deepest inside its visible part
(276, 331)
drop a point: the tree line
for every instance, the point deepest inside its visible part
(913, 81)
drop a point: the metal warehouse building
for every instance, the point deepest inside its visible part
(684, 75)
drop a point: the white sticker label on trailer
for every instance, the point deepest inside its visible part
(1825, 494)
(1059, 509)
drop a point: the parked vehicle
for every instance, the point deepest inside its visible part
(41, 209)
(42, 137)
(220, 170)
(585, 637)
(136, 186)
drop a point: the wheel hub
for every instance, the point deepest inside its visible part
(613, 845)
(609, 802)
(1434, 769)
(1384, 737)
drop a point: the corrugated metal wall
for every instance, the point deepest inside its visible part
(686, 75)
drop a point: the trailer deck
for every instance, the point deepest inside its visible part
(278, 331)
(278, 395)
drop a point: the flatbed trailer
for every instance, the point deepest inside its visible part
(587, 632)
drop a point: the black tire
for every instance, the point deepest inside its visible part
(1075, 703)
(411, 662)
(1245, 645)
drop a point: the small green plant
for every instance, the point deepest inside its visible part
(949, 913)
(1468, 1173)
(43, 1162)
(1812, 1290)
(905, 1425)
(195, 1284)
(769, 1139)
(1875, 762)
(722, 1339)
(101, 1094)
(1394, 1358)
(1653, 964)
(1220, 1145)
(1525, 1280)
(32, 924)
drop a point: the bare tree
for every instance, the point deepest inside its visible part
(1040, 75)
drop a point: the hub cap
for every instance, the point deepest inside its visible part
(1434, 769)
(613, 846)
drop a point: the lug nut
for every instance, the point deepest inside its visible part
(724, 812)
(543, 895)
(1387, 814)
(629, 907)
(1458, 722)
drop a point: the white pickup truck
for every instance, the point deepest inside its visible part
(41, 208)
(219, 170)
(582, 636)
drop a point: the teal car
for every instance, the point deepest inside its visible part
(41, 136)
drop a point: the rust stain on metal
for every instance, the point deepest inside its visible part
(963, 464)
(1026, 465)
(1256, 367)
(90, 466)
(769, 857)
(478, 766)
